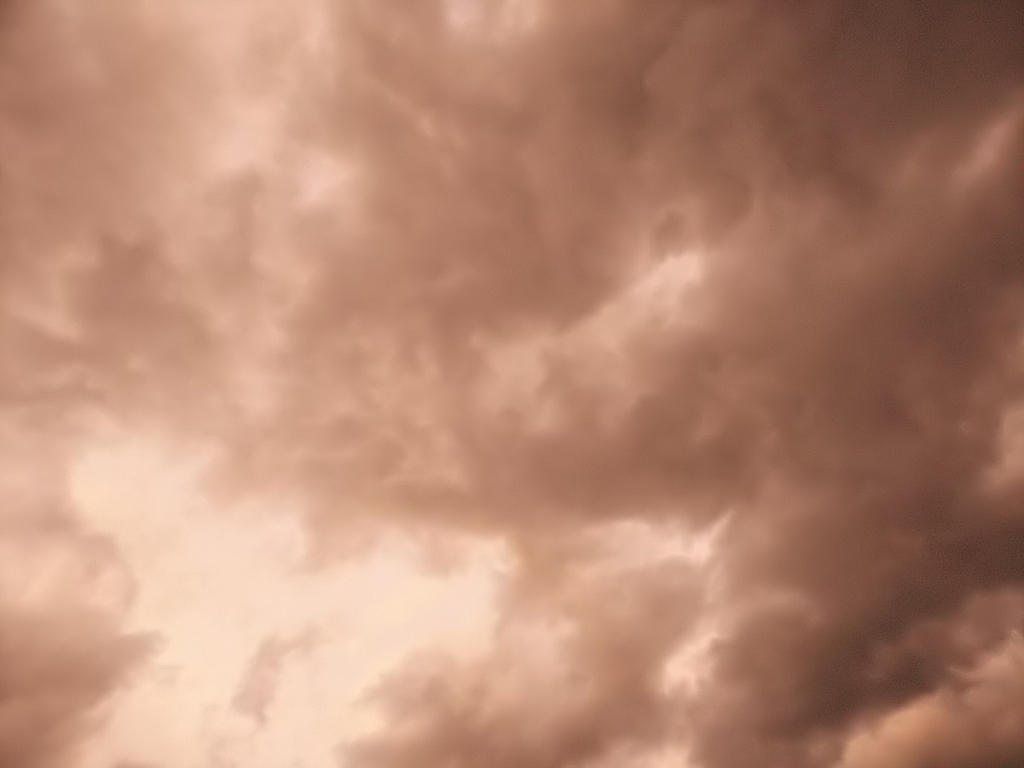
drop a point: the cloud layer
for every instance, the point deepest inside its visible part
(708, 316)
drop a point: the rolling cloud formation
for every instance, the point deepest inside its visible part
(709, 314)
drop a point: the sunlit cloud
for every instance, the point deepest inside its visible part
(217, 585)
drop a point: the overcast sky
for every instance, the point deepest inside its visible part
(511, 384)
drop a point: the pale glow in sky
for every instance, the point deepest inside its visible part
(219, 585)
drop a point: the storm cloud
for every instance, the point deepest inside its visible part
(711, 313)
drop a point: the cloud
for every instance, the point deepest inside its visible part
(836, 380)
(62, 591)
(527, 272)
(256, 693)
(570, 680)
(974, 721)
(55, 669)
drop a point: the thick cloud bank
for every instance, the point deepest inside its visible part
(709, 315)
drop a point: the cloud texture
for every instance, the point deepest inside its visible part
(709, 315)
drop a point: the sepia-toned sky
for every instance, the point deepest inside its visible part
(511, 384)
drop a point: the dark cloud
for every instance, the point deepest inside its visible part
(62, 651)
(55, 669)
(422, 284)
(91, 106)
(975, 721)
(838, 379)
(654, 261)
(100, 140)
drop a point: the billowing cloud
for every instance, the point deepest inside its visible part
(974, 721)
(62, 590)
(533, 383)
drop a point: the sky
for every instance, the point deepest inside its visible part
(511, 384)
